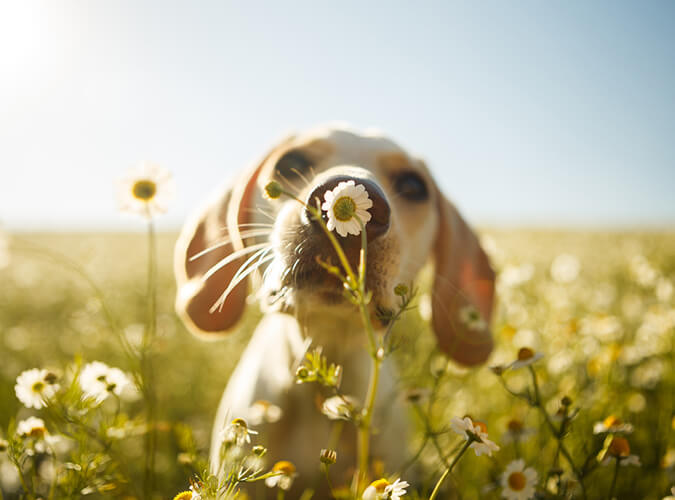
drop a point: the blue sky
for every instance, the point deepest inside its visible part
(528, 113)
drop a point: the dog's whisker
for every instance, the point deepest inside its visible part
(289, 184)
(218, 305)
(232, 257)
(299, 174)
(259, 254)
(242, 235)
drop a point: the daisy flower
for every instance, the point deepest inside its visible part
(284, 475)
(518, 482)
(34, 387)
(146, 190)
(612, 425)
(476, 433)
(339, 407)
(264, 412)
(98, 381)
(35, 428)
(619, 449)
(192, 494)
(237, 432)
(382, 489)
(344, 204)
(471, 318)
(31, 427)
(516, 431)
(526, 357)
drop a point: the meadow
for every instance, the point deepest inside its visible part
(597, 305)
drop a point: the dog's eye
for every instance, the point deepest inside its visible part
(293, 165)
(411, 186)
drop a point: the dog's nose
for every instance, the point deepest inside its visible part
(380, 211)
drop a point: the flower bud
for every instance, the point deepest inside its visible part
(401, 290)
(259, 451)
(497, 369)
(301, 374)
(273, 190)
(328, 457)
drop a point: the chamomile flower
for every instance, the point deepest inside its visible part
(612, 425)
(237, 432)
(34, 387)
(339, 407)
(518, 481)
(526, 357)
(34, 428)
(31, 427)
(146, 190)
(284, 475)
(191, 494)
(619, 449)
(98, 380)
(263, 411)
(516, 431)
(344, 204)
(382, 489)
(476, 433)
(471, 318)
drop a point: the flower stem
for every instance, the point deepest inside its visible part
(147, 372)
(449, 469)
(556, 434)
(614, 478)
(358, 287)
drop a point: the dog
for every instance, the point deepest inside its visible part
(239, 230)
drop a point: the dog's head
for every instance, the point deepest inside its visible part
(239, 232)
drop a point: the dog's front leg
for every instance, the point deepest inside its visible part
(264, 372)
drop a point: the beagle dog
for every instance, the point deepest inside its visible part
(239, 231)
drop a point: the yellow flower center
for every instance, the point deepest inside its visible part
(517, 481)
(480, 426)
(619, 447)
(525, 353)
(515, 425)
(285, 467)
(144, 189)
(183, 495)
(38, 386)
(611, 421)
(344, 208)
(380, 485)
(240, 422)
(37, 432)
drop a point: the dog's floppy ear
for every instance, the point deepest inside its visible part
(463, 289)
(205, 240)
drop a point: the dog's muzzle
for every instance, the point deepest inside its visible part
(301, 248)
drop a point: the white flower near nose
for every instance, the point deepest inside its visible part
(345, 205)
